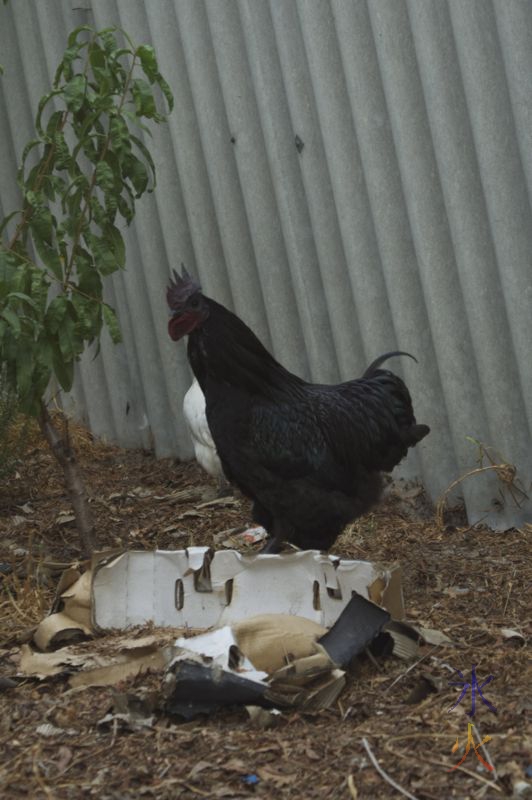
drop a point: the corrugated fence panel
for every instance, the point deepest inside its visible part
(350, 177)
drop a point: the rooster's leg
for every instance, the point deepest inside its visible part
(278, 536)
(273, 545)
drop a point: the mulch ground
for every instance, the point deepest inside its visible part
(471, 584)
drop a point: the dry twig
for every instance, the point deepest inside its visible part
(383, 774)
(411, 667)
(435, 761)
(351, 786)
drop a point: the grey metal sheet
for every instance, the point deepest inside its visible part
(402, 218)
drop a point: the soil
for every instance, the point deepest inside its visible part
(470, 584)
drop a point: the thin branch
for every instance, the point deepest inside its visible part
(384, 775)
(505, 472)
(73, 480)
(351, 786)
(410, 668)
(439, 763)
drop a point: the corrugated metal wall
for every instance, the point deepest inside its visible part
(401, 220)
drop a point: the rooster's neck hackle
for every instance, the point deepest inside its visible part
(225, 349)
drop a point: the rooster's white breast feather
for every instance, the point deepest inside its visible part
(204, 447)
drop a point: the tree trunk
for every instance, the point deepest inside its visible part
(60, 447)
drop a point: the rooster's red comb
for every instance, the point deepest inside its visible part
(181, 288)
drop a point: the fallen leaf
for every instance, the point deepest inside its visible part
(65, 757)
(234, 765)
(223, 791)
(63, 518)
(187, 514)
(434, 637)
(200, 767)
(278, 778)
(48, 730)
(140, 491)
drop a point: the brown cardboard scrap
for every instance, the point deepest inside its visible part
(311, 682)
(126, 666)
(386, 591)
(272, 640)
(99, 663)
(43, 665)
(59, 629)
(72, 617)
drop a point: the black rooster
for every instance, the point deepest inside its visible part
(308, 455)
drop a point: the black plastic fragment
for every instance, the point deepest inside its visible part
(358, 624)
(202, 689)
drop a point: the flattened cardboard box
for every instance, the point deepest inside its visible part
(202, 588)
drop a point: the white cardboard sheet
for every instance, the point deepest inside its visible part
(200, 588)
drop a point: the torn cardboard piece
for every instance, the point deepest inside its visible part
(317, 612)
(71, 617)
(299, 658)
(98, 664)
(270, 641)
(200, 588)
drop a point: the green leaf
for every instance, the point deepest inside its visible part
(125, 209)
(97, 57)
(63, 158)
(13, 319)
(73, 35)
(24, 297)
(69, 343)
(27, 150)
(134, 169)
(105, 176)
(45, 99)
(64, 370)
(145, 153)
(25, 367)
(108, 38)
(165, 88)
(42, 221)
(55, 313)
(52, 186)
(71, 54)
(104, 257)
(149, 64)
(111, 320)
(98, 212)
(120, 137)
(74, 92)
(8, 267)
(54, 123)
(88, 316)
(50, 257)
(7, 219)
(116, 244)
(148, 59)
(111, 206)
(45, 351)
(143, 98)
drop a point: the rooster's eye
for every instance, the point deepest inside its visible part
(194, 302)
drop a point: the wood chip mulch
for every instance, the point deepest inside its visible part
(392, 723)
